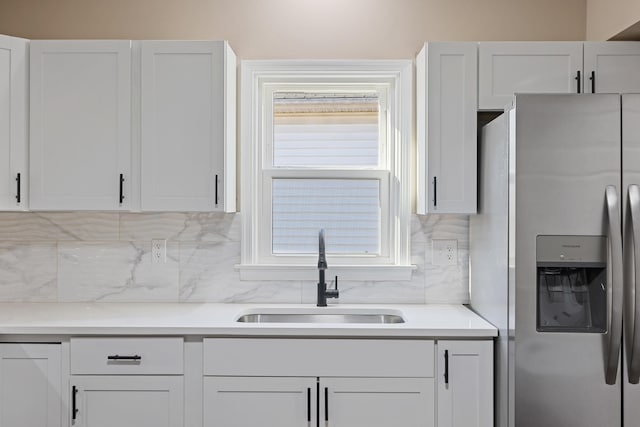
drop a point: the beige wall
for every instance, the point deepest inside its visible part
(263, 29)
(606, 18)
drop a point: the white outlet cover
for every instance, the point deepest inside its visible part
(444, 252)
(158, 251)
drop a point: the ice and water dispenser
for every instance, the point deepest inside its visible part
(571, 284)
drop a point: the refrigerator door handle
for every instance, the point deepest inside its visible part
(632, 260)
(614, 331)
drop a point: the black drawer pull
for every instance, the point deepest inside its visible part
(118, 357)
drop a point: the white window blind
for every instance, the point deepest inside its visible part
(325, 144)
(319, 130)
(348, 211)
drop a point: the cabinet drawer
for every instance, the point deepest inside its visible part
(318, 357)
(127, 356)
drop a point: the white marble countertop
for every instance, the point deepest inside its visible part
(205, 319)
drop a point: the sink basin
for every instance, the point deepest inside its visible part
(321, 316)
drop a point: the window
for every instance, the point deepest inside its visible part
(325, 145)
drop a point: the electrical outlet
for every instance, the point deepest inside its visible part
(158, 251)
(445, 252)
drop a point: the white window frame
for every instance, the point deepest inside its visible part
(259, 80)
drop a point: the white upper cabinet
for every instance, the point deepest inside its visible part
(188, 91)
(80, 101)
(13, 123)
(611, 67)
(447, 90)
(506, 68)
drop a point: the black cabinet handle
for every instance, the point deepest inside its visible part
(121, 188)
(118, 357)
(446, 367)
(18, 187)
(435, 191)
(326, 403)
(579, 80)
(318, 404)
(308, 404)
(74, 407)
(216, 189)
(593, 81)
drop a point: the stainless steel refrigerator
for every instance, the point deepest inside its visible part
(553, 259)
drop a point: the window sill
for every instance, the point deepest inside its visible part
(376, 273)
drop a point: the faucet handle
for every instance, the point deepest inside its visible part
(333, 293)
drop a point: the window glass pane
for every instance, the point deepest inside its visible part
(347, 209)
(325, 129)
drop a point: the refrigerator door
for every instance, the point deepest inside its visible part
(567, 184)
(630, 183)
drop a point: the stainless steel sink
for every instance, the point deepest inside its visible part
(316, 317)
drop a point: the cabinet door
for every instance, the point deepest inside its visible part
(612, 67)
(259, 401)
(13, 123)
(447, 90)
(127, 401)
(377, 402)
(465, 383)
(186, 132)
(507, 68)
(30, 385)
(80, 125)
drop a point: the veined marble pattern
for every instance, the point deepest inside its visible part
(58, 226)
(446, 284)
(207, 274)
(120, 271)
(183, 227)
(105, 256)
(28, 272)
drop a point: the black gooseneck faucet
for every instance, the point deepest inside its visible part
(323, 292)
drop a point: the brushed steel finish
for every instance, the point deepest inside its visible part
(615, 289)
(320, 318)
(632, 264)
(566, 151)
(630, 177)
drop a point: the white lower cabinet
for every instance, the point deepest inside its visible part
(242, 382)
(299, 382)
(254, 401)
(465, 383)
(377, 402)
(336, 402)
(30, 382)
(127, 382)
(127, 401)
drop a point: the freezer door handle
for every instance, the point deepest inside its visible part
(614, 331)
(632, 296)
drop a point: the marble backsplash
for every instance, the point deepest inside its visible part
(106, 257)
